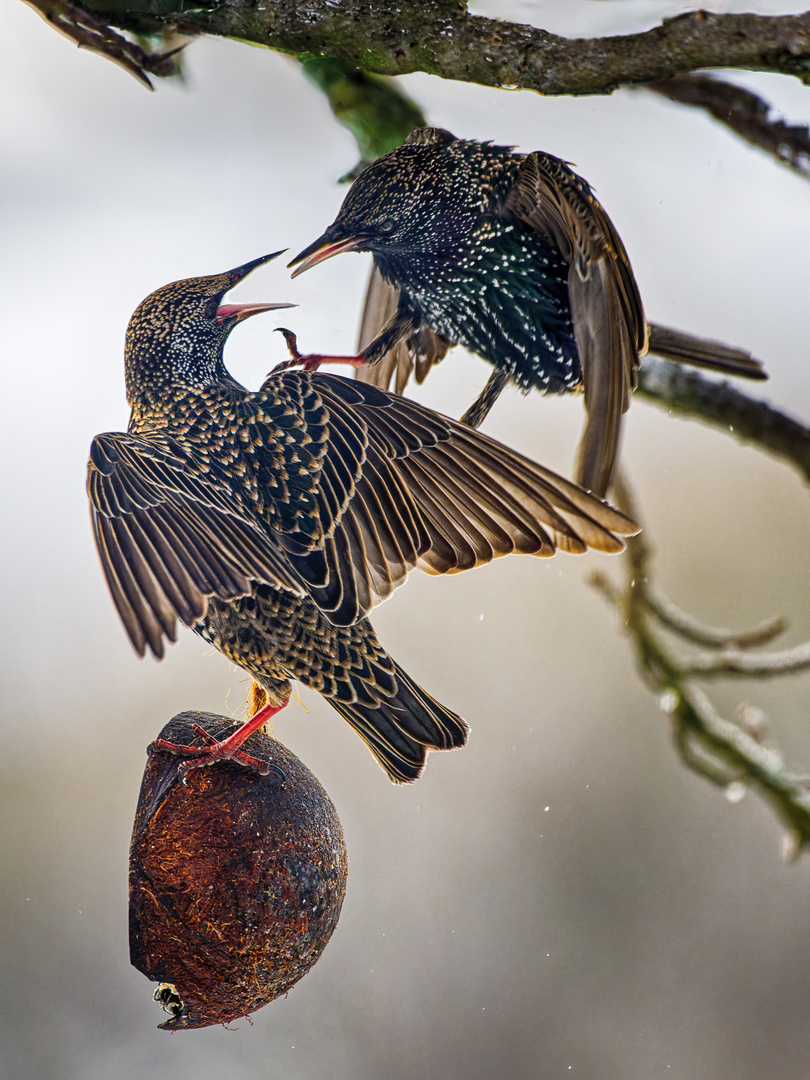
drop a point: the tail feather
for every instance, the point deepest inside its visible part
(676, 345)
(404, 727)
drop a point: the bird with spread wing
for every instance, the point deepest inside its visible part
(272, 522)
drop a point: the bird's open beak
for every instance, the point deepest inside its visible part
(237, 312)
(324, 249)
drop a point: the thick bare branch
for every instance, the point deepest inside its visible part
(440, 38)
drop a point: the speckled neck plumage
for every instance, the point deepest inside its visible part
(173, 346)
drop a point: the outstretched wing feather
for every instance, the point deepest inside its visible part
(167, 541)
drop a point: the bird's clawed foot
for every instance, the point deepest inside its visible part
(224, 749)
(308, 361)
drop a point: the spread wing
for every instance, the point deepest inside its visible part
(414, 354)
(350, 488)
(608, 318)
(400, 486)
(168, 539)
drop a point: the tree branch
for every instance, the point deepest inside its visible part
(732, 755)
(682, 391)
(747, 114)
(761, 665)
(440, 38)
(711, 637)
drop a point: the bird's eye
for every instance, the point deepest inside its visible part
(386, 226)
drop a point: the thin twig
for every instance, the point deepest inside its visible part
(684, 392)
(725, 752)
(747, 114)
(763, 665)
(689, 628)
(90, 32)
(696, 759)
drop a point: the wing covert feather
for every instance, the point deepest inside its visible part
(448, 499)
(392, 486)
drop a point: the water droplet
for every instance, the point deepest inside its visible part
(668, 701)
(735, 791)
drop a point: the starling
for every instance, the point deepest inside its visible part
(272, 522)
(511, 256)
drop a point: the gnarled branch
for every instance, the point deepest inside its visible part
(440, 38)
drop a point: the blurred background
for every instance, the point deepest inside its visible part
(561, 898)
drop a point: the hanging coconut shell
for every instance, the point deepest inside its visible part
(236, 880)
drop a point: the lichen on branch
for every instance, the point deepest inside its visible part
(439, 37)
(734, 755)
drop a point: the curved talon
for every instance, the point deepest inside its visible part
(309, 361)
(176, 748)
(285, 365)
(215, 751)
(292, 342)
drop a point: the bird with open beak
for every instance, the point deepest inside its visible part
(271, 522)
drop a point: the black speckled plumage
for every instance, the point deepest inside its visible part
(272, 522)
(512, 256)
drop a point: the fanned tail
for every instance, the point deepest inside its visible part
(404, 727)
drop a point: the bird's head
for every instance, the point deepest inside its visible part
(421, 198)
(176, 335)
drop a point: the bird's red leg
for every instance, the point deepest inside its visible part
(309, 361)
(224, 749)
